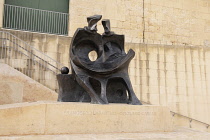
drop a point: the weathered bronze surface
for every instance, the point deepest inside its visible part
(106, 79)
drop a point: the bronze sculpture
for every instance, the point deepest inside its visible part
(106, 79)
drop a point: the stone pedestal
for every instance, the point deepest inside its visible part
(70, 90)
(54, 118)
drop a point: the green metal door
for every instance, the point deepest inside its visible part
(49, 16)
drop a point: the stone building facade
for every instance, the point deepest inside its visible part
(171, 39)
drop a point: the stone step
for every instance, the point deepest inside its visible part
(55, 118)
(178, 134)
(15, 87)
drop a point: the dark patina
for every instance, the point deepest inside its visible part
(104, 80)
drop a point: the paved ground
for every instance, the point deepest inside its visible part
(179, 134)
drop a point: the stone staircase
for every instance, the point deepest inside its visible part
(28, 60)
(16, 87)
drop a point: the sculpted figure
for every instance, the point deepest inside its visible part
(106, 79)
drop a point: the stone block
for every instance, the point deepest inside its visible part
(181, 75)
(105, 122)
(145, 90)
(22, 119)
(197, 76)
(162, 82)
(161, 58)
(153, 73)
(154, 99)
(180, 59)
(138, 80)
(143, 72)
(161, 66)
(182, 90)
(171, 82)
(180, 67)
(11, 92)
(162, 92)
(137, 71)
(153, 64)
(144, 63)
(170, 58)
(171, 91)
(144, 81)
(181, 83)
(143, 56)
(51, 118)
(132, 71)
(153, 89)
(153, 57)
(170, 74)
(153, 81)
(170, 66)
(19, 63)
(162, 74)
(169, 51)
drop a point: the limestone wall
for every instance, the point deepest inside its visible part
(168, 22)
(1, 12)
(177, 21)
(54, 46)
(125, 16)
(176, 76)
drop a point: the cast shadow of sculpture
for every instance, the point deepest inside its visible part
(106, 79)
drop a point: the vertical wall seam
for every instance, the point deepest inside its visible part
(186, 81)
(204, 59)
(165, 72)
(141, 73)
(143, 22)
(158, 71)
(147, 74)
(205, 74)
(193, 79)
(177, 79)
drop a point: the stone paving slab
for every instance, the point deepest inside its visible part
(178, 134)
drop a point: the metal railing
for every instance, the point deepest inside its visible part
(180, 115)
(35, 20)
(28, 60)
(190, 119)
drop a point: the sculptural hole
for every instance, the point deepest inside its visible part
(116, 91)
(92, 55)
(119, 92)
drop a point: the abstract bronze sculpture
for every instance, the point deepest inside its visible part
(106, 79)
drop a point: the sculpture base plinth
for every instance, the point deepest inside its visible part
(54, 118)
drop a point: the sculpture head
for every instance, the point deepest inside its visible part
(92, 23)
(107, 27)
